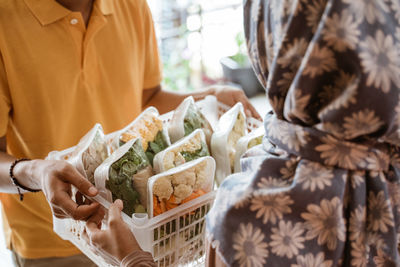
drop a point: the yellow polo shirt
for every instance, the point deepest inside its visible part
(57, 79)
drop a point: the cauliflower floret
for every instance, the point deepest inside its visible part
(190, 177)
(153, 125)
(234, 136)
(163, 188)
(179, 159)
(232, 153)
(182, 191)
(193, 144)
(128, 135)
(187, 177)
(169, 158)
(147, 128)
(239, 124)
(200, 177)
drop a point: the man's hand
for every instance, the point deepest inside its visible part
(230, 96)
(226, 94)
(118, 239)
(55, 179)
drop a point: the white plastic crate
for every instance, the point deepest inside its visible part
(175, 238)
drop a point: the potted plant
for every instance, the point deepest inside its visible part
(237, 69)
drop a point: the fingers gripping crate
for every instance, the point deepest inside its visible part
(174, 238)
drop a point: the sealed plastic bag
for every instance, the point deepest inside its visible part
(209, 108)
(90, 152)
(61, 155)
(246, 142)
(187, 118)
(187, 149)
(150, 128)
(180, 185)
(231, 127)
(124, 175)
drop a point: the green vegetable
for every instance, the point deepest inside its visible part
(157, 145)
(170, 227)
(140, 209)
(192, 121)
(120, 178)
(201, 152)
(121, 143)
(187, 220)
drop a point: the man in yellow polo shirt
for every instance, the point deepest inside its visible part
(64, 66)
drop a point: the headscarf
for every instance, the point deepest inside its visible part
(326, 191)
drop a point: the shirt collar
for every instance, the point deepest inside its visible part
(49, 11)
(106, 6)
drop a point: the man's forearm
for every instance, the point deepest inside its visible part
(22, 171)
(6, 186)
(166, 101)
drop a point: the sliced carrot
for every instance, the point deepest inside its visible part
(165, 205)
(156, 206)
(172, 199)
(201, 192)
(170, 206)
(194, 195)
(171, 203)
(162, 205)
(157, 211)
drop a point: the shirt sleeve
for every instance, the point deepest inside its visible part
(5, 99)
(153, 66)
(138, 259)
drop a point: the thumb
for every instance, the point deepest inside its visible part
(118, 203)
(114, 213)
(91, 228)
(81, 183)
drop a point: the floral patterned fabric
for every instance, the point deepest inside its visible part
(325, 191)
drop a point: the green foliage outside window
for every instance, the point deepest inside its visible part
(241, 56)
(176, 66)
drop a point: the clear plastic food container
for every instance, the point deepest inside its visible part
(174, 238)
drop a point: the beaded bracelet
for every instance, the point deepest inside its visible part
(15, 181)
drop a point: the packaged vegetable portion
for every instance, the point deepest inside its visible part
(149, 127)
(209, 108)
(187, 117)
(246, 142)
(61, 155)
(187, 149)
(124, 176)
(231, 127)
(90, 152)
(179, 185)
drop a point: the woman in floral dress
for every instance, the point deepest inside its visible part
(324, 188)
